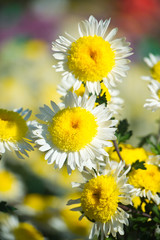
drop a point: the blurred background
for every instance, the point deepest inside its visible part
(27, 79)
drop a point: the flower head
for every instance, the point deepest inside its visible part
(101, 200)
(92, 57)
(12, 229)
(15, 131)
(153, 63)
(147, 182)
(76, 133)
(154, 102)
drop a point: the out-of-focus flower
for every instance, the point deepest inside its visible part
(15, 131)
(12, 229)
(12, 188)
(146, 181)
(77, 133)
(101, 199)
(93, 57)
(153, 103)
(153, 63)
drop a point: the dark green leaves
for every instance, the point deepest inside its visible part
(138, 165)
(6, 208)
(122, 132)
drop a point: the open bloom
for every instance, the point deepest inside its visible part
(12, 229)
(147, 182)
(107, 94)
(15, 131)
(92, 57)
(154, 102)
(75, 134)
(153, 63)
(11, 188)
(102, 199)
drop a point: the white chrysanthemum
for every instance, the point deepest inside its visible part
(102, 199)
(147, 182)
(75, 134)
(153, 103)
(109, 95)
(92, 57)
(15, 131)
(153, 63)
(12, 229)
(11, 188)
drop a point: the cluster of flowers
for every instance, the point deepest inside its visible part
(80, 132)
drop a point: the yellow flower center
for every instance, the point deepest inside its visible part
(128, 153)
(35, 201)
(106, 91)
(99, 199)
(26, 231)
(72, 129)
(12, 126)
(80, 91)
(158, 93)
(148, 179)
(155, 71)
(7, 180)
(90, 58)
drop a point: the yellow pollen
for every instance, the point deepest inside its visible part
(155, 71)
(148, 179)
(90, 58)
(26, 231)
(72, 129)
(99, 199)
(158, 93)
(7, 181)
(12, 126)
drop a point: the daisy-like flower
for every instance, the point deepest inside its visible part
(92, 57)
(77, 133)
(153, 63)
(147, 182)
(15, 131)
(154, 103)
(109, 95)
(11, 187)
(102, 199)
(12, 229)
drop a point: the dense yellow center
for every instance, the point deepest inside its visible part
(7, 181)
(26, 231)
(155, 71)
(80, 91)
(99, 199)
(90, 58)
(72, 129)
(35, 201)
(128, 153)
(148, 179)
(12, 126)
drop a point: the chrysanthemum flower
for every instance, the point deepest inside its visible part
(15, 131)
(153, 103)
(147, 182)
(77, 133)
(109, 94)
(128, 153)
(11, 187)
(153, 63)
(92, 57)
(102, 198)
(12, 229)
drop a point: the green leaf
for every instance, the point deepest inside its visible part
(101, 99)
(138, 165)
(6, 208)
(122, 132)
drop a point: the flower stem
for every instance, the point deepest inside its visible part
(117, 149)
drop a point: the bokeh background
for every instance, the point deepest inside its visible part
(27, 79)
